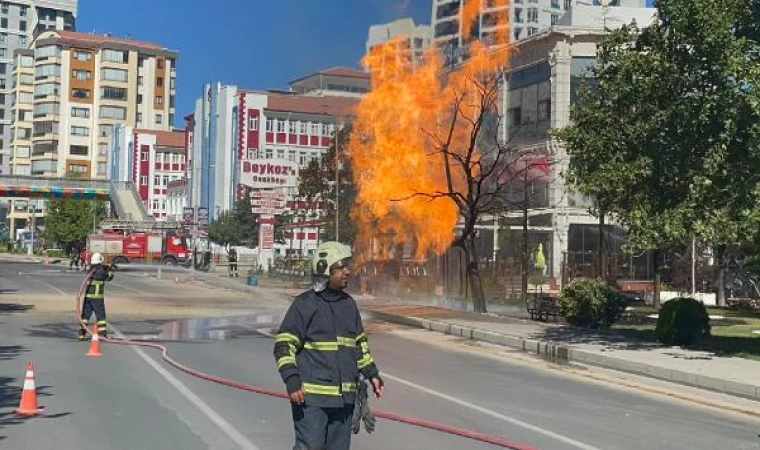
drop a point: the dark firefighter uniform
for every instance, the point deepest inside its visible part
(94, 299)
(321, 345)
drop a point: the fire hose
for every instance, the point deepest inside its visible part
(388, 415)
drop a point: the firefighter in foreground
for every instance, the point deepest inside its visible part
(94, 297)
(321, 349)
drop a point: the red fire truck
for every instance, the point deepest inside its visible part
(124, 242)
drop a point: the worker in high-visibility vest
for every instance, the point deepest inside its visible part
(321, 349)
(94, 297)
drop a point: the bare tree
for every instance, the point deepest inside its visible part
(482, 171)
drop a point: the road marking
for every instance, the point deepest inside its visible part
(51, 287)
(494, 414)
(215, 417)
(130, 289)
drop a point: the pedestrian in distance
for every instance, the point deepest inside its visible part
(232, 258)
(94, 297)
(321, 350)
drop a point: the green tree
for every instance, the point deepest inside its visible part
(225, 230)
(247, 221)
(69, 222)
(666, 140)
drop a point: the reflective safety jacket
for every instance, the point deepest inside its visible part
(321, 344)
(97, 283)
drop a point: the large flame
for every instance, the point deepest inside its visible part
(395, 147)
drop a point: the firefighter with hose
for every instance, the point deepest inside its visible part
(94, 297)
(321, 350)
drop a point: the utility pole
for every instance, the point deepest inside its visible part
(337, 181)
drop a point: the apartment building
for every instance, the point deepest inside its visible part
(524, 19)
(71, 89)
(20, 21)
(411, 40)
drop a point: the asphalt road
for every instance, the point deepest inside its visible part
(130, 399)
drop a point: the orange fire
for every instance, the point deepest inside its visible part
(396, 143)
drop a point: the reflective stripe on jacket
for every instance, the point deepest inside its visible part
(322, 342)
(97, 283)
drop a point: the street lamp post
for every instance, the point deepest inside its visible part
(30, 250)
(337, 181)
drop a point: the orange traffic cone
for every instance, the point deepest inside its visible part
(28, 405)
(94, 343)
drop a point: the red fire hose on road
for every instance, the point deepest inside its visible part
(469, 434)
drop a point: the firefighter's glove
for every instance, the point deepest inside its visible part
(362, 413)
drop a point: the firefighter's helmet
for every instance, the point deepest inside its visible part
(97, 258)
(328, 255)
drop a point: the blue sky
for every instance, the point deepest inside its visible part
(251, 43)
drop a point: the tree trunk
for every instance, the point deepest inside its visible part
(601, 273)
(473, 275)
(721, 288)
(525, 256)
(656, 265)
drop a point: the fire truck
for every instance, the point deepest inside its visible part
(125, 241)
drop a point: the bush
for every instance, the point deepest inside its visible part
(591, 303)
(682, 321)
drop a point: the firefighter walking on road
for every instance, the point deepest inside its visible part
(321, 349)
(94, 297)
(232, 258)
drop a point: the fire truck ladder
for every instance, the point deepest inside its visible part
(136, 225)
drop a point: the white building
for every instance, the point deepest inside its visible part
(247, 140)
(412, 40)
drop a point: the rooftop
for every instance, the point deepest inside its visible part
(174, 138)
(337, 71)
(100, 40)
(308, 104)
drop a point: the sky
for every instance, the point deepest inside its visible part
(257, 44)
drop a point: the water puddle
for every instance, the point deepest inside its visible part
(213, 329)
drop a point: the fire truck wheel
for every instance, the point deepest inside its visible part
(169, 261)
(119, 260)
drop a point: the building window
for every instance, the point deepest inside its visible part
(533, 15)
(26, 79)
(80, 93)
(315, 129)
(172, 81)
(160, 81)
(518, 15)
(113, 112)
(103, 149)
(555, 3)
(106, 130)
(160, 63)
(26, 97)
(80, 131)
(159, 119)
(532, 31)
(82, 74)
(302, 127)
(253, 123)
(22, 151)
(101, 169)
(117, 56)
(47, 70)
(22, 25)
(77, 168)
(45, 89)
(568, 3)
(555, 19)
(140, 80)
(253, 153)
(159, 100)
(293, 127)
(139, 117)
(82, 113)
(156, 181)
(22, 11)
(302, 158)
(113, 93)
(114, 75)
(79, 150)
(4, 8)
(81, 55)
(281, 126)
(144, 156)
(143, 180)
(4, 22)
(270, 125)
(292, 155)
(22, 41)
(269, 153)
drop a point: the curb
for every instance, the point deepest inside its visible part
(565, 353)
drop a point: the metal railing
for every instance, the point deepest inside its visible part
(129, 187)
(23, 180)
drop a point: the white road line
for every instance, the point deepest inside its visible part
(51, 287)
(494, 414)
(215, 417)
(130, 289)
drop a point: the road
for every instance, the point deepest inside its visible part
(131, 399)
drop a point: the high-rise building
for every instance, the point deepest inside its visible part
(71, 89)
(411, 40)
(525, 18)
(20, 21)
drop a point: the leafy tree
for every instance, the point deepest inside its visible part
(69, 222)
(666, 142)
(247, 221)
(225, 230)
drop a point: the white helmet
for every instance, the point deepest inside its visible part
(97, 258)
